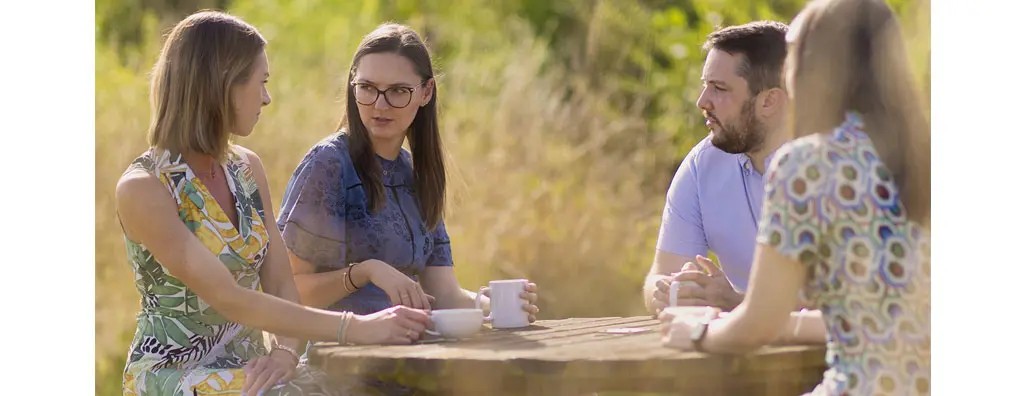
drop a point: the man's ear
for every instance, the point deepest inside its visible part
(772, 102)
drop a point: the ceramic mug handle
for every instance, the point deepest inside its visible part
(479, 305)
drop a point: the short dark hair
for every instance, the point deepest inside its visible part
(763, 46)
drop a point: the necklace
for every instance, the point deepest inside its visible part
(213, 170)
(388, 167)
(212, 174)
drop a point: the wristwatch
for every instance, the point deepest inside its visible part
(700, 330)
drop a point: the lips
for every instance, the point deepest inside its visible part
(710, 119)
(380, 121)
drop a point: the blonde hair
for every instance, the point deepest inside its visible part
(849, 56)
(203, 57)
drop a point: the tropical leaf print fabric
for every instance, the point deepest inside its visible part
(182, 346)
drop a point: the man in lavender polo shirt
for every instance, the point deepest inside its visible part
(714, 201)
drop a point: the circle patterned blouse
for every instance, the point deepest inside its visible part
(832, 205)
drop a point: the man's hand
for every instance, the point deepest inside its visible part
(690, 293)
(715, 289)
(704, 284)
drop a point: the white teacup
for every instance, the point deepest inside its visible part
(506, 304)
(456, 323)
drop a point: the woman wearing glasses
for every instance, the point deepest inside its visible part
(362, 217)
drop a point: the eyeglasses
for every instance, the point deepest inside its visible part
(397, 97)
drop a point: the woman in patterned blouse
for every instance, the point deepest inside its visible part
(846, 212)
(362, 217)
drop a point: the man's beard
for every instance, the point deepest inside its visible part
(747, 137)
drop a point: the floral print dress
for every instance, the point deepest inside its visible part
(831, 204)
(182, 346)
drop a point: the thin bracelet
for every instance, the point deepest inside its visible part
(341, 328)
(799, 320)
(347, 279)
(346, 318)
(344, 329)
(289, 350)
(349, 273)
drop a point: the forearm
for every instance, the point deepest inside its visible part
(735, 334)
(278, 316)
(321, 290)
(462, 298)
(283, 286)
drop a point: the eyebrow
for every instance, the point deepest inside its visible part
(400, 84)
(716, 82)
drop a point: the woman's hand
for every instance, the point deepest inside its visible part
(265, 372)
(401, 289)
(678, 322)
(529, 296)
(395, 325)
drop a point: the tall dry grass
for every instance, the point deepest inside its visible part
(560, 148)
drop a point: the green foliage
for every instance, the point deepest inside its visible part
(564, 121)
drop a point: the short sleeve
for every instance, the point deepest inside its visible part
(792, 217)
(441, 253)
(682, 226)
(312, 219)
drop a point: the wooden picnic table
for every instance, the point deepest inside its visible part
(574, 356)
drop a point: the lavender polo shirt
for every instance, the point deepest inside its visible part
(714, 202)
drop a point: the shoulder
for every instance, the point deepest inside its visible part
(704, 157)
(139, 183)
(250, 161)
(329, 158)
(705, 154)
(333, 148)
(247, 156)
(801, 150)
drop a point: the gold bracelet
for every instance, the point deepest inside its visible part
(345, 280)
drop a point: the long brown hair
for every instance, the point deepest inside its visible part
(203, 57)
(424, 135)
(849, 55)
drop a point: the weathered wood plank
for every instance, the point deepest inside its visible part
(571, 356)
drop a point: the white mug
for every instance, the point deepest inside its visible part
(673, 291)
(456, 323)
(506, 304)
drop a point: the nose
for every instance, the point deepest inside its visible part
(266, 96)
(381, 103)
(703, 102)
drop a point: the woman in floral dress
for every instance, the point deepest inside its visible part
(198, 224)
(845, 216)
